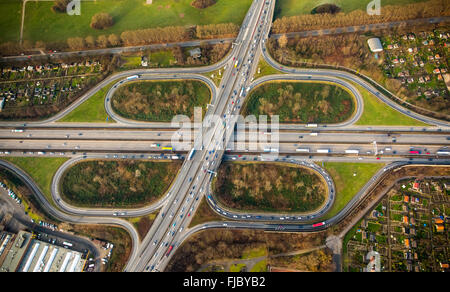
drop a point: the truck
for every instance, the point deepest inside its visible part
(167, 148)
(65, 243)
(414, 151)
(314, 134)
(323, 150)
(175, 157)
(191, 154)
(351, 151)
(236, 63)
(276, 150)
(303, 150)
(311, 125)
(133, 77)
(443, 152)
(242, 91)
(17, 131)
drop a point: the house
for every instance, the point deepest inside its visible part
(416, 186)
(144, 61)
(375, 45)
(405, 219)
(195, 53)
(439, 228)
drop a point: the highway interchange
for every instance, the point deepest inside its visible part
(134, 140)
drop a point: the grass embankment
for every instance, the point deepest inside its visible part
(92, 110)
(301, 102)
(42, 24)
(160, 101)
(347, 183)
(295, 7)
(377, 113)
(108, 183)
(215, 76)
(143, 224)
(265, 69)
(40, 169)
(269, 187)
(29, 202)
(204, 214)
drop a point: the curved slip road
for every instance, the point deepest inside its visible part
(50, 209)
(153, 77)
(359, 103)
(279, 216)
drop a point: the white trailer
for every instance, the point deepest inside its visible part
(323, 150)
(303, 150)
(351, 151)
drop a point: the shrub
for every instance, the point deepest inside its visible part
(201, 4)
(101, 21)
(326, 8)
(60, 6)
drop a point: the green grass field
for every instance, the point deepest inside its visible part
(40, 169)
(10, 18)
(160, 59)
(377, 113)
(92, 110)
(296, 7)
(348, 185)
(42, 24)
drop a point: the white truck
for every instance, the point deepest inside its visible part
(351, 151)
(323, 150)
(303, 150)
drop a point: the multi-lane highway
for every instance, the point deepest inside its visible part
(298, 144)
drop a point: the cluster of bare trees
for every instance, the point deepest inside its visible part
(216, 245)
(159, 35)
(389, 13)
(211, 31)
(347, 50)
(155, 35)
